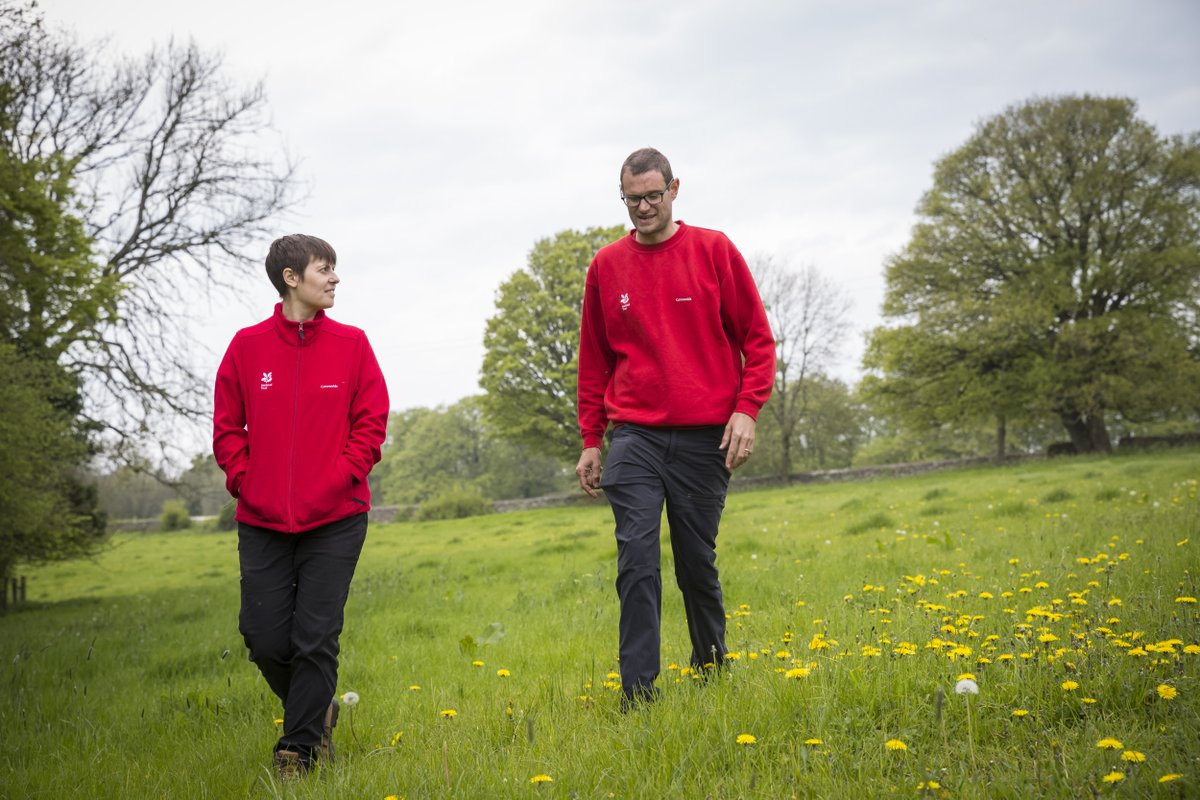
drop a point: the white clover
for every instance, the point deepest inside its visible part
(966, 686)
(350, 699)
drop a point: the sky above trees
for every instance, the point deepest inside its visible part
(439, 142)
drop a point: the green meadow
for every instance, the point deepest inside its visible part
(483, 652)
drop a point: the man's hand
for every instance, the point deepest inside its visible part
(738, 440)
(588, 470)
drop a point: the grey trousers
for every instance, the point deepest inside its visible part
(681, 467)
(294, 590)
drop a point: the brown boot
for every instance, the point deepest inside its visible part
(289, 766)
(325, 749)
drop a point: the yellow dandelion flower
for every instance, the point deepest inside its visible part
(448, 713)
(1192, 649)
(1114, 777)
(541, 779)
(1167, 692)
(477, 663)
(1170, 776)
(895, 745)
(503, 673)
(746, 738)
(1089, 700)
(796, 672)
(966, 676)
(391, 797)
(1185, 600)
(1133, 756)
(814, 742)
(279, 722)
(985, 595)
(1046, 638)
(1020, 712)
(396, 739)
(414, 688)
(1069, 686)
(1109, 744)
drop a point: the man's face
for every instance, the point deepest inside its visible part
(316, 287)
(653, 223)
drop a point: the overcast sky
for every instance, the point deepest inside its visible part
(440, 140)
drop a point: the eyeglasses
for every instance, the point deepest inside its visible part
(635, 200)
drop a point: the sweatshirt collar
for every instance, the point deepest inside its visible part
(290, 331)
(676, 238)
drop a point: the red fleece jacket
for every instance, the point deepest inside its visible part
(673, 335)
(299, 417)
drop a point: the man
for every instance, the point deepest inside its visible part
(300, 415)
(675, 350)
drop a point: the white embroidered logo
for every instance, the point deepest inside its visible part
(683, 299)
(625, 301)
(266, 380)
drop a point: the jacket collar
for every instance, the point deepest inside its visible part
(290, 331)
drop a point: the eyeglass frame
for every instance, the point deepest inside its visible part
(640, 197)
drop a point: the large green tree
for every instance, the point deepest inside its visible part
(1055, 270)
(532, 344)
(126, 189)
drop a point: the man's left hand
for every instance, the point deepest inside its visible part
(738, 440)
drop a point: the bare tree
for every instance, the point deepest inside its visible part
(173, 170)
(809, 318)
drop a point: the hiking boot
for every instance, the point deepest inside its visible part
(289, 765)
(325, 748)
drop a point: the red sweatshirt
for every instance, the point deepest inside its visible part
(300, 415)
(673, 335)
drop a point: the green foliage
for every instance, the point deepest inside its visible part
(44, 512)
(455, 502)
(124, 661)
(1055, 272)
(431, 451)
(531, 344)
(174, 516)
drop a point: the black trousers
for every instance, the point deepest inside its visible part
(683, 468)
(294, 589)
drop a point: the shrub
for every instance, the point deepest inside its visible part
(455, 503)
(174, 516)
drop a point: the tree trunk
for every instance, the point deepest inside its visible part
(1088, 432)
(1001, 437)
(785, 457)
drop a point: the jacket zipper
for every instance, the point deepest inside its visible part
(292, 445)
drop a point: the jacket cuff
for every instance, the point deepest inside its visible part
(748, 408)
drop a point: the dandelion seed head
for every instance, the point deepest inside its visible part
(966, 686)
(350, 699)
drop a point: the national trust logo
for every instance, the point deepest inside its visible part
(625, 301)
(266, 380)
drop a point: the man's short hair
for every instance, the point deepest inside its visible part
(296, 251)
(647, 159)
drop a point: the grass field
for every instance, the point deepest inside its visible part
(484, 654)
